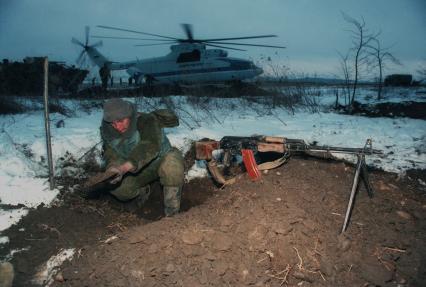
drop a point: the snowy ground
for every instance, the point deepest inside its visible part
(23, 167)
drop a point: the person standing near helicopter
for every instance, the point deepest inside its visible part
(104, 74)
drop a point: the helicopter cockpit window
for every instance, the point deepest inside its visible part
(193, 56)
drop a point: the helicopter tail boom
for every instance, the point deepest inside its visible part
(97, 58)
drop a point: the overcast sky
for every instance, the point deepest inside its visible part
(313, 31)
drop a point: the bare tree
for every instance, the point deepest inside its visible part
(422, 73)
(380, 56)
(360, 40)
(344, 66)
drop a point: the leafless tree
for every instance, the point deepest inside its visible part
(361, 38)
(347, 73)
(380, 57)
(422, 73)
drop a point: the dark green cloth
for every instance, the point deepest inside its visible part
(142, 143)
(146, 146)
(169, 169)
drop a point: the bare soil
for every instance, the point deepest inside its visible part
(283, 230)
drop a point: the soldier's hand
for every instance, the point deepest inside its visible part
(120, 171)
(118, 174)
(127, 167)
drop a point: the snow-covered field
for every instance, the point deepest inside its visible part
(23, 167)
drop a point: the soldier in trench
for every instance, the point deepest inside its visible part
(138, 152)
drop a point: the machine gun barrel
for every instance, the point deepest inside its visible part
(294, 147)
(281, 144)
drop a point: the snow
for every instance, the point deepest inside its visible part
(23, 166)
(10, 217)
(47, 271)
(14, 251)
(4, 240)
(198, 170)
(30, 192)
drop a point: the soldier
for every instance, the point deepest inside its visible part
(104, 73)
(138, 152)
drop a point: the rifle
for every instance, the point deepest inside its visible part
(90, 188)
(247, 147)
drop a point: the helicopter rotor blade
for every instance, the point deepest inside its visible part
(80, 57)
(77, 42)
(239, 38)
(87, 30)
(128, 38)
(246, 44)
(188, 31)
(133, 31)
(153, 44)
(214, 42)
(224, 47)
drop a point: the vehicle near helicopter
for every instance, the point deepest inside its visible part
(188, 62)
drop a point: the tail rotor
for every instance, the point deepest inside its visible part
(81, 59)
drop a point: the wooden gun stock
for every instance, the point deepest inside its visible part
(98, 178)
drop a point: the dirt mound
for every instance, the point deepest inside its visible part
(80, 224)
(282, 230)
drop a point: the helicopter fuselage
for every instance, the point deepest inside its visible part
(189, 63)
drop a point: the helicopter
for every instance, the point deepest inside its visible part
(189, 60)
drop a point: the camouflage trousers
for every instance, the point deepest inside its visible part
(169, 169)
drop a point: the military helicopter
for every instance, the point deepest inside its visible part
(188, 62)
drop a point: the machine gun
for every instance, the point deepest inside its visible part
(248, 147)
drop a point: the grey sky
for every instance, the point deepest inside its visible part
(312, 30)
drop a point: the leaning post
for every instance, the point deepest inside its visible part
(47, 122)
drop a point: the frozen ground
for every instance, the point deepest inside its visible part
(23, 168)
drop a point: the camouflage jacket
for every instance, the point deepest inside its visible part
(144, 141)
